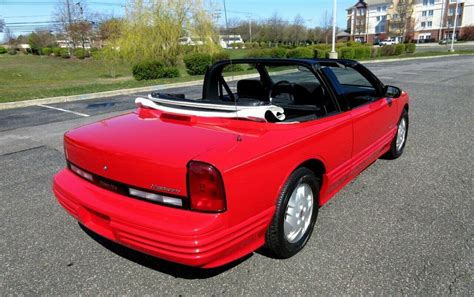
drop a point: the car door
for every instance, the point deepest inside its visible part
(373, 115)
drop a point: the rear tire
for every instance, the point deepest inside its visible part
(399, 140)
(295, 215)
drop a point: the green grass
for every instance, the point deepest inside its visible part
(29, 77)
(25, 77)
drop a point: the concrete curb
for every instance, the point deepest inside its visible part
(414, 58)
(51, 100)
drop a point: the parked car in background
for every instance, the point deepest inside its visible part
(388, 42)
(205, 182)
(230, 41)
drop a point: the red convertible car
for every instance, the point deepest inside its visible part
(203, 182)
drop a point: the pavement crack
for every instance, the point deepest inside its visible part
(25, 150)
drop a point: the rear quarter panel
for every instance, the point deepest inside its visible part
(256, 168)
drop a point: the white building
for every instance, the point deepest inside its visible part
(373, 20)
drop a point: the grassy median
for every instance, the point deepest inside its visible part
(24, 77)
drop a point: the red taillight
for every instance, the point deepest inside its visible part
(205, 188)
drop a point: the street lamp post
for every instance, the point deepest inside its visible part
(333, 53)
(454, 26)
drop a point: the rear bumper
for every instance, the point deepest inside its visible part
(181, 236)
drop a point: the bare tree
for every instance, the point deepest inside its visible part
(401, 20)
(8, 37)
(69, 12)
(297, 31)
(326, 26)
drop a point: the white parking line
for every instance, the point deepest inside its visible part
(64, 110)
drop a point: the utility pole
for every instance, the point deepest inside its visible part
(454, 26)
(226, 26)
(250, 28)
(69, 26)
(333, 53)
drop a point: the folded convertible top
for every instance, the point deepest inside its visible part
(190, 107)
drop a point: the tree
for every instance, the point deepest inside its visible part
(9, 37)
(297, 32)
(110, 29)
(2, 25)
(79, 32)
(151, 29)
(401, 21)
(40, 39)
(326, 26)
(68, 13)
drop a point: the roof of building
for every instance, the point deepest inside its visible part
(370, 3)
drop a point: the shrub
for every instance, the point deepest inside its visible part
(347, 53)
(322, 46)
(362, 52)
(233, 68)
(301, 52)
(47, 51)
(399, 49)
(388, 50)
(277, 52)
(3, 50)
(196, 64)
(352, 43)
(410, 48)
(56, 51)
(168, 72)
(375, 52)
(94, 53)
(80, 53)
(64, 53)
(12, 51)
(259, 53)
(320, 53)
(147, 70)
(220, 56)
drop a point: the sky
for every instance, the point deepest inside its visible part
(23, 16)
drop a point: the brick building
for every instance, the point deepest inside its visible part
(372, 20)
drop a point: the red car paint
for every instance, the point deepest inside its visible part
(147, 147)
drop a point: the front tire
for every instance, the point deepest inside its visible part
(399, 140)
(295, 215)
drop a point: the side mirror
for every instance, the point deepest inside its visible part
(391, 91)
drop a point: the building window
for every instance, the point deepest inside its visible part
(423, 13)
(395, 15)
(380, 29)
(430, 24)
(423, 24)
(430, 12)
(428, 2)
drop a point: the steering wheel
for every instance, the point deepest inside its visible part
(281, 82)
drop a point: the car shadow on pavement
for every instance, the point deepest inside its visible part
(173, 269)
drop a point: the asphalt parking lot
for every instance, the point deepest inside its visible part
(403, 227)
